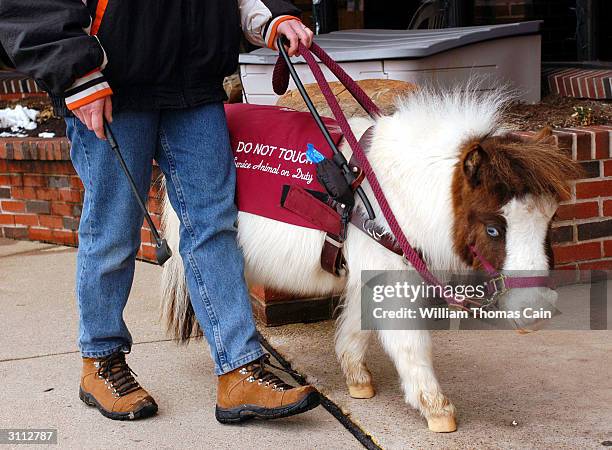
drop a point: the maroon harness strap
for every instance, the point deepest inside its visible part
(364, 142)
(377, 233)
(332, 258)
(325, 217)
(299, 201)
(363, 224)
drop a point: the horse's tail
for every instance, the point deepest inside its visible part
(176, 309)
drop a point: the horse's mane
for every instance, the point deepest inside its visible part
(518, 167)
(466, 110)
(466, 115)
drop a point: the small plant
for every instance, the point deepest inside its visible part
(583, 115)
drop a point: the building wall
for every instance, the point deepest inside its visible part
(558, 30)
(501, 11)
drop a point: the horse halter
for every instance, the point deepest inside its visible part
(501, 283)
(496, 286)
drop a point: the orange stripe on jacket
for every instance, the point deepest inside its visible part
(90, 98)
(100, 10)
(272, 39)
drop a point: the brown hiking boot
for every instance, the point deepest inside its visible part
(251, 391)
(109, 385)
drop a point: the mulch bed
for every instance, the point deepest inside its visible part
(558, 112)
(553, 111)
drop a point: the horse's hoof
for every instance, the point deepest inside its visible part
(365, 390)
(442, 424)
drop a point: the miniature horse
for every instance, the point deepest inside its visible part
(453, 179)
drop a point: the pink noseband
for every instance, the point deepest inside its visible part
(501, 283)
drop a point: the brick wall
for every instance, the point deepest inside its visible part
(582, 230)
(501, 11)
(41, 196)
(14, 86)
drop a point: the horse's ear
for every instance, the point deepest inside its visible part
(472, 164)
(544, 136)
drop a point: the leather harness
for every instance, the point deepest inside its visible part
(326, 213)
(333, 217)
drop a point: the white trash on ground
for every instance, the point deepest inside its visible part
(18, 119)
(46, 135)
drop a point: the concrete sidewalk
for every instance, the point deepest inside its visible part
(555, 385)
(39, 369)
(545, 390)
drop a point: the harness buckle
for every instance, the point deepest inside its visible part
(370, 228)
(497, 285)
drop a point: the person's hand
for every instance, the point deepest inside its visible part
(92, 115)
(295, 31)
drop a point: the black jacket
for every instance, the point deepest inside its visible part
(151, 54)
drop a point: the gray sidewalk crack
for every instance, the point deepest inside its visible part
(30, 252)
(25, 358)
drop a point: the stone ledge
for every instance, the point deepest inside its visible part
(581, 83)
(35, 149)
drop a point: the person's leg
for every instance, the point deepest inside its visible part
(195, 155)
(109, 231)
(109, 237)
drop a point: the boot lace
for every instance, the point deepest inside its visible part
(117, 375)
(258, 372)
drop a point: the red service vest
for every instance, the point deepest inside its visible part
(269, 145)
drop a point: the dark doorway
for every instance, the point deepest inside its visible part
(390, 14)
(604, 31)
(593, 30)
(572, 30)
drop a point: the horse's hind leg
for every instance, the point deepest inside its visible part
(351, 346)
(410, 350)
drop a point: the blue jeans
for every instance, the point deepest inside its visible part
(192, 148)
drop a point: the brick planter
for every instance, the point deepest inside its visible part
(14, 86)
(41, 197)
(581, 83)
(583, 225)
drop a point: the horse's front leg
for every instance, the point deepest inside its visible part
(352, 344)
(411, 353)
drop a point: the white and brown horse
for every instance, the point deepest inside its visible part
(453, 179)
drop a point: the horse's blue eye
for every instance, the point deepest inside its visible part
(493, 232)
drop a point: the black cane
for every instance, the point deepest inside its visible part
(339, 158)
(162, 251)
